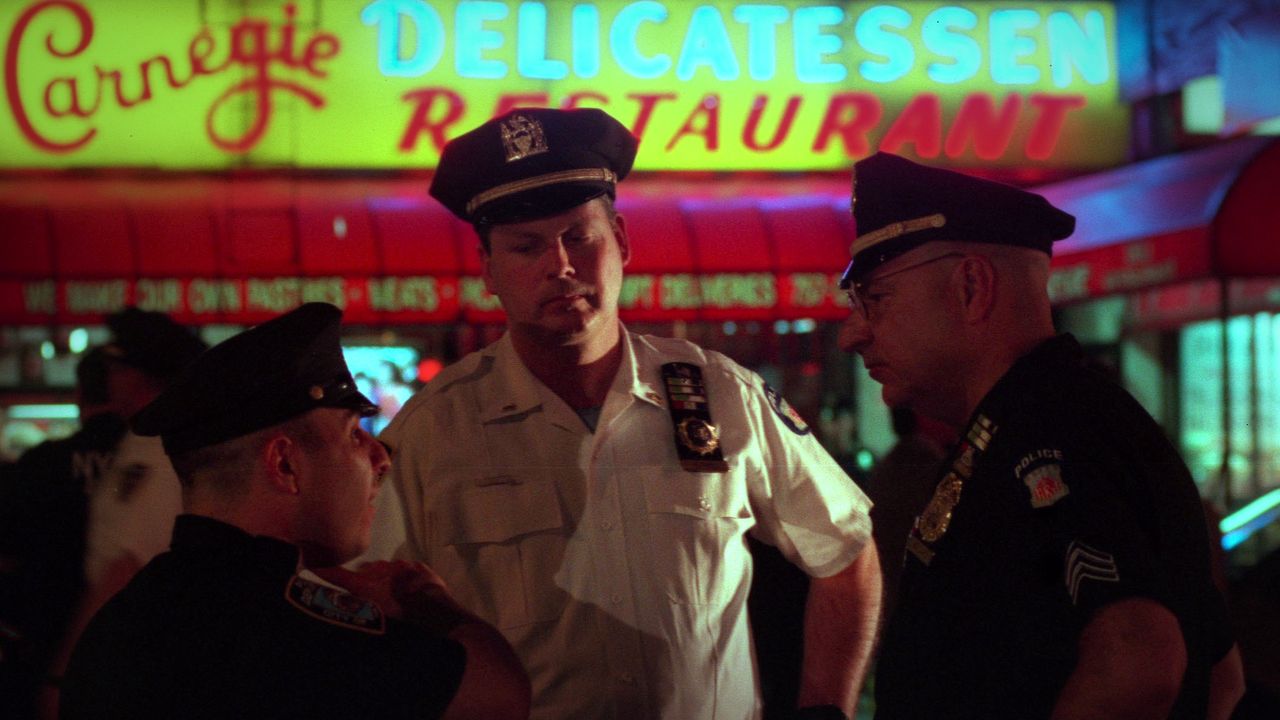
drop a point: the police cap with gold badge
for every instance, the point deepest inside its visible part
(899, 205)
(532, 163)
(273, 372)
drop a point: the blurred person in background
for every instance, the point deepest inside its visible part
(277, 477)
(43, 512)
(133, 502)
(900, 485)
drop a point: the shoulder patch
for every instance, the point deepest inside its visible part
(785, 412)
(1046, 485)
(1041, 472)
(335, 606)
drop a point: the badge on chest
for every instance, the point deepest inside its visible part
(696, 435)
(932, 524)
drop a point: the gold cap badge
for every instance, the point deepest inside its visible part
(522, 137)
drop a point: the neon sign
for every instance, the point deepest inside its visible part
(1077, 46)
(718, 85)
(413, 298)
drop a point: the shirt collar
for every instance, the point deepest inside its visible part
(631, 375)
(516, 390)
(215, 539)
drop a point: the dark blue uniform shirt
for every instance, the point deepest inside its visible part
(222, 627)
(1063, 496)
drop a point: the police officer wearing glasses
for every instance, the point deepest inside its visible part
(1061, 567)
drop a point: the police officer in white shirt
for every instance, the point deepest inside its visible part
(588, 490)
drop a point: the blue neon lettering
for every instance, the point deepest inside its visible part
(472, 39)
(875, 39)
(1084, 48)
(811, 44)
(389, 16)
(707, 43)
(1007, 45)
(531, 45)
(762, 41)
(622, 39)
(937, 33)
(586, 41)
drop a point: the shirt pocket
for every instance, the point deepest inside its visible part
(696, 524)
(501, 545)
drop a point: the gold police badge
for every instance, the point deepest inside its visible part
(522, 137)
(698, 435)
(933, 522)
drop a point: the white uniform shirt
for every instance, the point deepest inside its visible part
(620, 578)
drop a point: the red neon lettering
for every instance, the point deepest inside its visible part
(507, 103)
(851, 116)
(85, 25)
(784, 125)
(1043, 137)
(321, 47)
(920, 124)
(709, 112)
(201, 47)
(73, 99)
(648, 101)
(976, 123)
(421, 121)
(249, 47)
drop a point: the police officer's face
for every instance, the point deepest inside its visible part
(559, 277)
(339, 479)
(904, 334)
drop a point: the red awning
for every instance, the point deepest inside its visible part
(1209, 213)
(243, 248)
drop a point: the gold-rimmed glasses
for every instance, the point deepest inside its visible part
(862, 300)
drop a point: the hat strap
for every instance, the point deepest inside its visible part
(563, 176)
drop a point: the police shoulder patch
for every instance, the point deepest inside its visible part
(1041, 472)
(785, 412)
(335, 607)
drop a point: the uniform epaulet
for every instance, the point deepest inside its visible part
(335, 607)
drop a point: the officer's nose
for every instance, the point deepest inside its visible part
(558, 262)
(379, 458)
(854, 334)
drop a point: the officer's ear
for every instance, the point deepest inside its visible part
(624, 240)
(280, 456)
(975, 287)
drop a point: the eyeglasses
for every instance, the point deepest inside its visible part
(860, 298)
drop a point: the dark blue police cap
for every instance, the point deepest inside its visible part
(532, 163)
(278, 370)
(152, 342)
(899, 205)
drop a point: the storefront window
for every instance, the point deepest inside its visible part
(1250, 392)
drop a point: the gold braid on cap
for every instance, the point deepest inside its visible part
(555, 178)
(893, 230)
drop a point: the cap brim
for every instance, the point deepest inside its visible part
(353, 400)
(539, 203)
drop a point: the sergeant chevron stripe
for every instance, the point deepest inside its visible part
(1086, 563)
